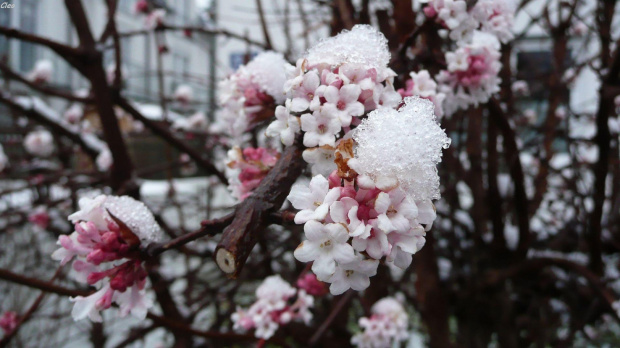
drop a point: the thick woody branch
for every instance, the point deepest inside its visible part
(253, 215)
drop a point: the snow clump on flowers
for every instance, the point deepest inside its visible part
(109, 231)
(472, 75)
(248, 96)
(381, 156)
(386, 325)
(277, 303)
(39, 143)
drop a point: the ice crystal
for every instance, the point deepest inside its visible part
(404, 145)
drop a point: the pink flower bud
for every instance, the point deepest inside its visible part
(9, 321)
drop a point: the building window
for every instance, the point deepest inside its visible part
(28, 24)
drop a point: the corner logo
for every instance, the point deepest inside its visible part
(7, 5)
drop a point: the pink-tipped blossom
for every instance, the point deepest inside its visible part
(249, 167)
(155, 19)
(277, 303)
(422, 84)
(39, 217)
(386, 326)
(42, 72)
(471, 78)
(183, 94)
(39, 143)
(311, 285)
(105, 251)
(9, 321)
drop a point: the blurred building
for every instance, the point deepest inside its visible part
(187, 60)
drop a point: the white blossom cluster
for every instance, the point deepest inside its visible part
(103, 248)
(382, 211)
(277, 303)
(386, 326)
(339, 79)
(247, 94)
(491, 16)
(472, 74)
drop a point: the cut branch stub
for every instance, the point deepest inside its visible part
(253, 215)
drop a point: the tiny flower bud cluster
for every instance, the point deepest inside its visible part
(491, 16)
(377, 204)
(184, 94)
(472, 76)
(42, 72)
(155, 19)
(250, 166)
(39, 217)
(39, 143)
(277, 303)
(249, 95)
(386, 326)
(104, 248)
(8, 322)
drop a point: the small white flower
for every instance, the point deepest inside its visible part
(285, 126)
(458, 60)
(325, 245)
(184, 94)
(42, 71)
(305, 95)
(104, 160)
(314, 200)
(345, 211)
(91, 305)
(320, 128)
(426, 213)
(39, 143)
(394, 211)
(354, 275)
(133, 301)
(376, 244)
(321, 159)
(343, 102)
(404, 245)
